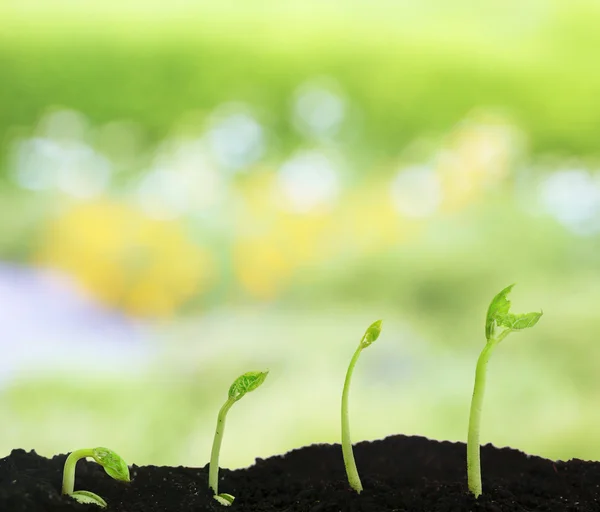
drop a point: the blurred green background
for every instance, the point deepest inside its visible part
(192, 190)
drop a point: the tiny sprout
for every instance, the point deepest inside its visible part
(243, 384)
(499, 324)
(371, 334)
(114, 466)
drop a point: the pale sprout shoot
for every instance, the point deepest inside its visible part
(243, 384)
(500, 322)
(369, 337)
(112, 463)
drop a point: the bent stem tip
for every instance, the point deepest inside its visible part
(245, 383)
(370, 336)
(112, 463)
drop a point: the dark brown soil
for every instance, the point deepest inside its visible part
(399, 474)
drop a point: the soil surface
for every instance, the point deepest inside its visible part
(399, 473)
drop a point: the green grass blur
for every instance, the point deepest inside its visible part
(244, 285)
(411, 70)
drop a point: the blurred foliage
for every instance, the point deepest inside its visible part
(464, 158)
(408, 70)
(261, 236)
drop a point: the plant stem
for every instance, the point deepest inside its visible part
(473, 458)
(213, 471)
(349, 463)
(68, 485)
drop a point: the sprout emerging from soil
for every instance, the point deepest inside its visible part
(369, 337)
(242, 385)
(500, 322)
(114, 466)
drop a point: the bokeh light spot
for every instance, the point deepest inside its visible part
(416, 191)
(572, 196)
(307, 181)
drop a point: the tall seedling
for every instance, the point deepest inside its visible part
(369, 337)
(500, 322)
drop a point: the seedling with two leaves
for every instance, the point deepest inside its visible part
(500, 322)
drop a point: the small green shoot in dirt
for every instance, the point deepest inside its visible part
(500, 322)
(243, 384)
(114, 466)
(371, 334)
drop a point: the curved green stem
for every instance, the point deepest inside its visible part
(349, 463)
(68, 484)
(213, 471)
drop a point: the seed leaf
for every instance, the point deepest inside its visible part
(224, 499)
(88, 497)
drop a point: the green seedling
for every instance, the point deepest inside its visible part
(242, 385)
(114, 466)
(371, 334)
(500, 322)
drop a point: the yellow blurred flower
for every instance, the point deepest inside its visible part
(145, 266)
(262, 267)
(367, 222)
(478, 155)
(270, 245)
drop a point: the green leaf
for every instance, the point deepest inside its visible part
(522, 321)
(246, 383)
(88, 498)
(112, 463)
(224, 499)
(498, 315)
(371, 334)
(498, 309)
